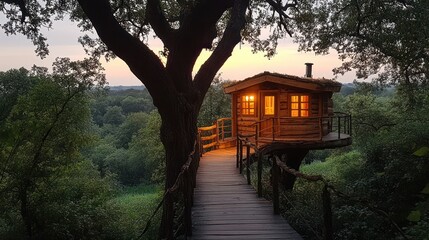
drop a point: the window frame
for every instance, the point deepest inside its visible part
(245, 108)
(300, 102)
(274, 104)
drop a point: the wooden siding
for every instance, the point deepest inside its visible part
(306, 128)
(310, 127)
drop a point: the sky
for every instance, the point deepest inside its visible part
(17, 51)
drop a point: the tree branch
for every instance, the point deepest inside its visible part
(223, 51)
(159, 23)
(141, 60)
(197, 31)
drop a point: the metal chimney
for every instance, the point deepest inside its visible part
(308, 70)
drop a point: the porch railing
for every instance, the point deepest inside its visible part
(210, 136)
(271, 128)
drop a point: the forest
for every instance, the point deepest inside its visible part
(81, 161)
(84, 161)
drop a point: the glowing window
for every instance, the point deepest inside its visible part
(248, 105)
(269, 105)
(299, 105)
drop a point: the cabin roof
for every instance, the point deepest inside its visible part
(315, 84)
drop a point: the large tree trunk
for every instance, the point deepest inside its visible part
(178, 134)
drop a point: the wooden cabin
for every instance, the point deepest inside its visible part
(284, 108)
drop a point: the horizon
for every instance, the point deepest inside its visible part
(62, 40)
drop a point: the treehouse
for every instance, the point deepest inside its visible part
(294, 111)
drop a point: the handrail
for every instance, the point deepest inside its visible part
(185, 181)
(212, 135)
(339, 122)
(328, 188)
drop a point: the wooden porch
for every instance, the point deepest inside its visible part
(326, 132)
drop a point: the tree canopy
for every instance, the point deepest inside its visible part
(388, 39)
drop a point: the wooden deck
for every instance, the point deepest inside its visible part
(225, 207)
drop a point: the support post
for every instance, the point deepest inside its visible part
(238, 152)
(259, 174)
(248, 164)
(241, 157)
(257, 133)
(339, 127)
(275, 171)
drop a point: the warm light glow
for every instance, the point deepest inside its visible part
(294, 113)
(304, 98)
(248, 105)
(269, 105)
(299, 106)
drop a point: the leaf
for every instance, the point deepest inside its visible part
(426, 189)
(421, 152)
(414, 216)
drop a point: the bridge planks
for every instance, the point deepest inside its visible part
(225, 207)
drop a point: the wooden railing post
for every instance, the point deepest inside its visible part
(350, 125)
(248, 163)
(259, 174)
(257, 133)
(223, 129)
(275, 183)
(241, 157)
(339, 127)
(238, 152)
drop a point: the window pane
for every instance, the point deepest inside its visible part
(248, 105)
(304, 113)
(304, 98)
(269, 105)
(294, 105)
(294, 113)
(304, 105)
(294, 98)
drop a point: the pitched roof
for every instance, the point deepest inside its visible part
(317, 84)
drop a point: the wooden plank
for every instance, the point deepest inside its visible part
(205, 138)
(225, 207)
(207, 128)
(209, 145)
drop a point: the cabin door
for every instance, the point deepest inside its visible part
(269, 114)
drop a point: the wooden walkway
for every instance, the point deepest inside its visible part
(225, 207)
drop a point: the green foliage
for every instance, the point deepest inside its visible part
(130, 127)
(136, 205)
(216, 104)
(48, 190)
(385, 170)
(113, 116)
(387, 38)
(146, 148)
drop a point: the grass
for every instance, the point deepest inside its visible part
(135, 205)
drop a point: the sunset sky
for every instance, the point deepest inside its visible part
(17, 51)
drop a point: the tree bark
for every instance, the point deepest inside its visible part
(294, 158)
(178, 133)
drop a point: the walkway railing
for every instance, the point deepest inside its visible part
(184, 187)
(211, 136)
(185, 183)
(278, 168)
